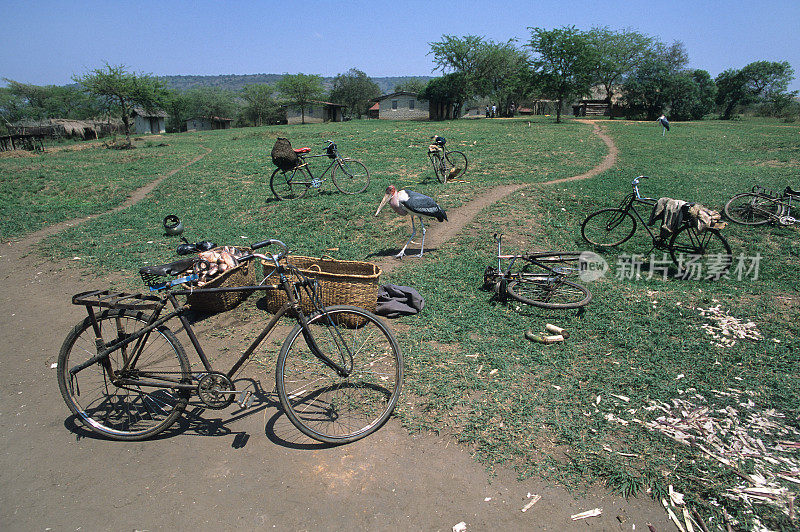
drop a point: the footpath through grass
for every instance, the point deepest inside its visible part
(575, 411)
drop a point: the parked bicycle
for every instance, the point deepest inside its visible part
(446, 164)
(126, 376)
(689, 248)
(540, 279)
(349, 176)
(763, 205)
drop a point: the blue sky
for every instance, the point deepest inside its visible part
(46, 42)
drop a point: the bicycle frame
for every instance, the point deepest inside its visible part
(784, 200)
(292, 306)
(529, 258)
(628, 205)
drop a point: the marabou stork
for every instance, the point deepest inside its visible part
(419, 205)
(664, 122)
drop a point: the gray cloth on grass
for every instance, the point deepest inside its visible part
(395, 301)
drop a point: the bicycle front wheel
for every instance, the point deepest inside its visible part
(456, 164)
(350, 176)
(705, 255)
(608, 227)
(147, 402)
(751, 209)
(322, 402)
(292, 184)
(549, 291)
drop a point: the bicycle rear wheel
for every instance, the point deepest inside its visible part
(608, 227)
(123, 411)
(326, 405)
(705, 255)
(439, 166)
(350, 176)
(292, 184)
(751, 209)
(456, 164)
(549, 291)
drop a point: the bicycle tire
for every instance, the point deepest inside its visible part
(129, 412)
(439, 166)
(751, 209)
(608, 221)
(456, 160)
(548, 291)
(325, 405)
(289, 185)
(707, 251)
(350, 176)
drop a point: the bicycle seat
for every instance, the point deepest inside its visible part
(166, 270)
(302, 150)
(791, 191)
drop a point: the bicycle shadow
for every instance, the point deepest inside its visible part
(197, 421)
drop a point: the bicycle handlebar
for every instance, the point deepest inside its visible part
(635, 185)
(272, 242)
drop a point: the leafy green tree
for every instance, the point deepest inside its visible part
(506, 74)
(51, 101)
(121, 91)
(354, 89)
(300, 89)
(674, 55)
(465, 57)
(758, 81)
(564, 61)
(260, 107)
(648, 91)
(707, 92)
(618, 54)
(211, 102)
(410, 85)
(445, 95)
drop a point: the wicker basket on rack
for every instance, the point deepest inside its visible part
(339, 282)
(242, 275)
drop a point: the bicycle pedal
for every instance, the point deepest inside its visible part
(246, 399)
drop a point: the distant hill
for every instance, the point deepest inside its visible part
(236, 82)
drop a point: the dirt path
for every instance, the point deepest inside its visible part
(439, 233)
(250, 470)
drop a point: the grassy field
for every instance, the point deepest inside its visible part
(576, 411)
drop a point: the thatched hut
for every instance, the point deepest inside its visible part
(65, 128)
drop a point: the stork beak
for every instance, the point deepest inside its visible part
(383, 202)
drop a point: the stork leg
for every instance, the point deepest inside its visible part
(422, 246)
(413, 232)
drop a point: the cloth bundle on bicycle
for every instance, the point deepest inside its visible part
(283, 156)
(706, 218)
(670, 212)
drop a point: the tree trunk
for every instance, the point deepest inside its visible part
(558, 110)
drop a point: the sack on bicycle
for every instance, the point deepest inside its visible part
(283, 156)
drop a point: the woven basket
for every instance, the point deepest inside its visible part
(242, 275)
(339, 282)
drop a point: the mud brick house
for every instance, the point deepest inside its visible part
(402, 106)
(316, 112)
(148, 121)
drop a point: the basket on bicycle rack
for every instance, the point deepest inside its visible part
(242, 275)
(338, 282)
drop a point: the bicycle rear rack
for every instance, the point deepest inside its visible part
(758, 189)
(117, 300)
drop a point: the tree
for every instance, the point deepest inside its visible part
(758, 81)
(260, 107)
(51, 101)
(564, 61)
(410, 85)
(121, 91)
(354, 89)
(618, 54)
(506, 74)
(300, 89)
(649, 89)
(211, 102)
(445, 94)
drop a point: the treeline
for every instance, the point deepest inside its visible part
(642, 76)
(237, 82)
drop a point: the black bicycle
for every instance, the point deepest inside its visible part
(446, 164)
(541, 279)
(689, 248)
(763, 205)
(349, 176)
(126, 376)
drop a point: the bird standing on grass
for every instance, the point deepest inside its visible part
(664, 122)
(419, 205)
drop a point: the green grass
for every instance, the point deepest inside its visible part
(538, 411)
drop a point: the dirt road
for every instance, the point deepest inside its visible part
(228, 469)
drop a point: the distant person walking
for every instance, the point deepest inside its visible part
(487, 111)
(494, 111)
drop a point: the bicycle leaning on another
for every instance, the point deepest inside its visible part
(124, 374)
(763, 205)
